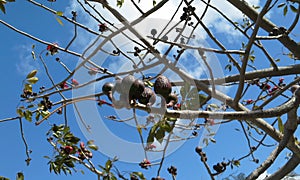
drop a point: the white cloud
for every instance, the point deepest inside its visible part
(26, 62)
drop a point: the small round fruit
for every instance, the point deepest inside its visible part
(136, 89)
(198, 149)
(162, 86)
(127, 81)
(107, 87)
(148, 97)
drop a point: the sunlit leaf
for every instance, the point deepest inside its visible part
(20, 112)
(28, 115)
(3, 178)
(28, 87)
(31, 74)
(236, 163)
(32, 80)
(90, 142)
(93, 147)
(280, 125)
(59, 21)
(108, 165)
(20, 176)
(33, 55)
(140, 175)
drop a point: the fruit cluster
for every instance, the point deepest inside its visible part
(172, 170)
(27, 94)
(220, 167)
(201, 154)
(145, 164)
(131, 89)
(46, 103)
(83, 152)
(187, 12)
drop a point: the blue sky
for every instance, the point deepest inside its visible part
(17, 62)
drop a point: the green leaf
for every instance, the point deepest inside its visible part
(93, 147)
(281, 5)
(28, 115)
(166, 126)
(202, 98)
(59, 13)
(46, 157)
(90, 142)
(108, 165)
(69, 164)
(160, 134)
(2, 7)
(3, 178)
(32, 80)
(285, 10)
(280, 125)
(150, 138)
(59, 21)
(212, 140)
(20, 112)
(37, 115)
(33, 55)
(252, 58)
(214, 106)
(31, 74)
(45, 113)
(20, 176)
(139, 174)
(28, 87)
(293, 8)
(120, 3)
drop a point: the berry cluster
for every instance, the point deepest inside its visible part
(46, 103)
(137, 50)
(131, 89)
(83, 152)
(145, 164)
(201, 153)
(172, 170)
(187, 12)
(220, 167)
(103, 27)
(68, 149)
(27, 94)
(52, 48)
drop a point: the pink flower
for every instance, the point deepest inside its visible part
(249, 101)
(64, 85)
(75, 82)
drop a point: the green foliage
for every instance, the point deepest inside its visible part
(286, 6)
(159, 130)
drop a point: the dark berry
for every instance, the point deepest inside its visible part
(198, 149)
(162, 86)
(153, 32)
(148, 97)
